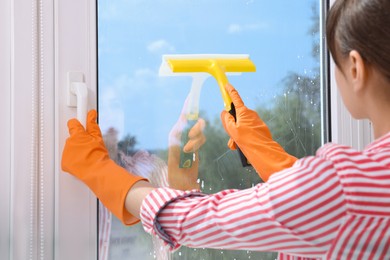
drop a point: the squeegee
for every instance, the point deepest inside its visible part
(200, 67)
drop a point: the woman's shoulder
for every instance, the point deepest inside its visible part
(379, 145)
(345, 157)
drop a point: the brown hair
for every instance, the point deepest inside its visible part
(361, 25)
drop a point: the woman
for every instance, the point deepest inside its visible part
(334, 205)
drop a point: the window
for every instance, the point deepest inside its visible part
(137, 107)
(48, 214)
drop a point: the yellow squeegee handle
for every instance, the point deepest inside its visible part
(222, 80)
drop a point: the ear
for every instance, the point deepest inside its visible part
(357, 70)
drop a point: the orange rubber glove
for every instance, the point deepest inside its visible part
(86, 157)
(253, 137)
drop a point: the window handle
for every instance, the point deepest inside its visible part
(78, 95)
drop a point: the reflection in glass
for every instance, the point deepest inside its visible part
(137, 108)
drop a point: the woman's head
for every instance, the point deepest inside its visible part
(361, 25)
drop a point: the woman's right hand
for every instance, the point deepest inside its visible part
(252, 135)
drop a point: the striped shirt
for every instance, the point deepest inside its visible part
(335, 205)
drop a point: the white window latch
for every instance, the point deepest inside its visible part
(78, 95)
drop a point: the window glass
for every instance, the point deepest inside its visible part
(138, 108)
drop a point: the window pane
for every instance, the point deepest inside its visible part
(137, 107)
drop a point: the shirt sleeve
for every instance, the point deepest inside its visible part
(298, 211)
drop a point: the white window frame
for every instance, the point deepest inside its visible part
(46, 214)
(66, 42)
(5, 133)
(76, 207)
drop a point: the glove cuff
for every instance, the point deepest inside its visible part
(111, 183)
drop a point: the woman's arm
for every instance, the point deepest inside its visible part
(298, 210)
(86, 157)
(136, 195)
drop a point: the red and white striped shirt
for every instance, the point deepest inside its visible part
(335, 205)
